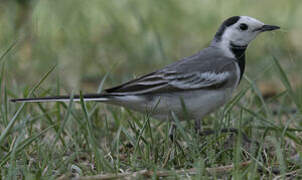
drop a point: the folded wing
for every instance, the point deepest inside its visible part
(171, 81)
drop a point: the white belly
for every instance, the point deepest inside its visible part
(196, 104)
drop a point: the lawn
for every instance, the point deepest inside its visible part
(74, 46)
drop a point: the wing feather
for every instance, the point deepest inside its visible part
(207, 69)
(170, 81)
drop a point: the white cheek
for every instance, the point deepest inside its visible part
(250, 36)
(242, 38)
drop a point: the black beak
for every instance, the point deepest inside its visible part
(267, 28)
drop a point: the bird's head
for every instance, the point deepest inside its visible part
(239, 31)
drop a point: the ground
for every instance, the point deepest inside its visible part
(59, 47)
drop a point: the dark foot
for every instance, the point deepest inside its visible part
(226, 130)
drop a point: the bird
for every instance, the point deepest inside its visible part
(189, 88)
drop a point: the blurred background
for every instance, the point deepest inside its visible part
(87, 39)
(127, 38)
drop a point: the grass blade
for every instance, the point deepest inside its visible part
(13, 120)
(23, 145)
(287, 84)
(7, 50)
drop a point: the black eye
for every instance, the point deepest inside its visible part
(243, 27)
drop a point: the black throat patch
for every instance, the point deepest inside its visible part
(228, 22)
(239, 52)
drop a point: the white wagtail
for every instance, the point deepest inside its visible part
(201, 83)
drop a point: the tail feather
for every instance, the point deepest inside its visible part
(88, 97)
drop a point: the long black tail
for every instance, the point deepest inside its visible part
(87, 97)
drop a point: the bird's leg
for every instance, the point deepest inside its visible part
(197, 126)
(172, 131)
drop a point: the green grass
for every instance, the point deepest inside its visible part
(58, 47)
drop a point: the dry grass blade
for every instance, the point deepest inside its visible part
(222, 170)
(289, 175)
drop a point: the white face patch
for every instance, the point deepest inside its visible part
(240, 37)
